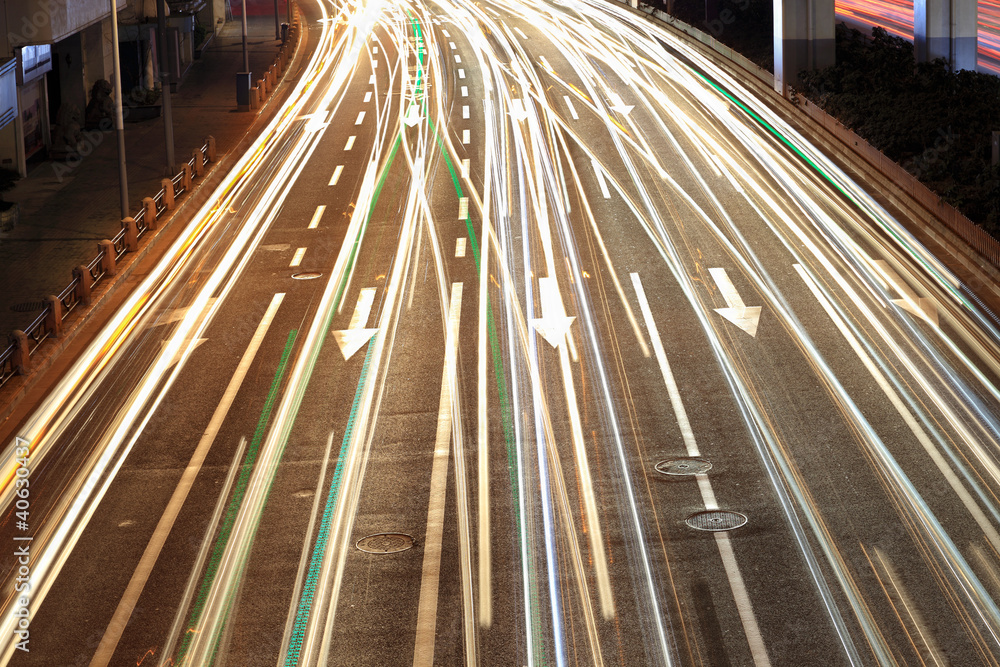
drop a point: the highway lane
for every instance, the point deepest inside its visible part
(546, 250)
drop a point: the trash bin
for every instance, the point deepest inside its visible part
(243, 91)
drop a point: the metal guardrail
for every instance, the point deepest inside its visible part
(77, 292)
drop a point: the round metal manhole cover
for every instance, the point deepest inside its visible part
(385, 543)
(306, 275)
(716, 520)
(683, 467)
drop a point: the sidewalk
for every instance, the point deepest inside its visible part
(67, 207)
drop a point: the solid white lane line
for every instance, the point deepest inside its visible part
(600, 178)
(317, 216)
(350, 142)
(465, 168)
(736, 583)
(572, 109)
(361, 118)
(460, 246)
(423, 650)
(336, 174)
(466, 137)
(116, 627)
(368, 96)
(297, 257)
(465, 111)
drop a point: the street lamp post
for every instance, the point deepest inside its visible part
(119, 116)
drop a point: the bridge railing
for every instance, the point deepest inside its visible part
(22, 344)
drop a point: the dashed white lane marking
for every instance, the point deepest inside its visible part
(368, 96)
(521, 33)
(371, 79)
(465, 91)
(336, 174)
(445, 33)
(361, 118)
(297, 257)
(452, 45)
(736, 583)
(572, 109)
(458, 58)
(317, 216)
(600, 179)
(375, 50)
(461, 74)
(465, 111)
(463, 208)
(465, 168)
(466, 137)
(350, 143)
(460, 246)
(374, 64)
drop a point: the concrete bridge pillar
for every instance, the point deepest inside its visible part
(803, 39)
(946, 29)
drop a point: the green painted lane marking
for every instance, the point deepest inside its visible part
(239, 490)
(322, 538)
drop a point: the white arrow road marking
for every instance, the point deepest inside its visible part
(518, 112)
(922, 307)
(750, 627)
(412, 116)
(618, 105)
(554, 324)
(743, 316)
(356, 336)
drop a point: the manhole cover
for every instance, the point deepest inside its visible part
(716, 520)
(28, 306)
(683, 467)
(306, 275)
(385, 543)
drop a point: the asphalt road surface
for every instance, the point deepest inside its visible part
(523, 336)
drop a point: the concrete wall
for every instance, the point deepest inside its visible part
(946, 29)
(48, 21)
(803, 38)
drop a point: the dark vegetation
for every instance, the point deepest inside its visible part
(935, 122)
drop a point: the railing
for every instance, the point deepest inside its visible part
(14, 359)
(88, 276)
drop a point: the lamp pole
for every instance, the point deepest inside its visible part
(168, 116)
(246, 54)
(119, 116)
